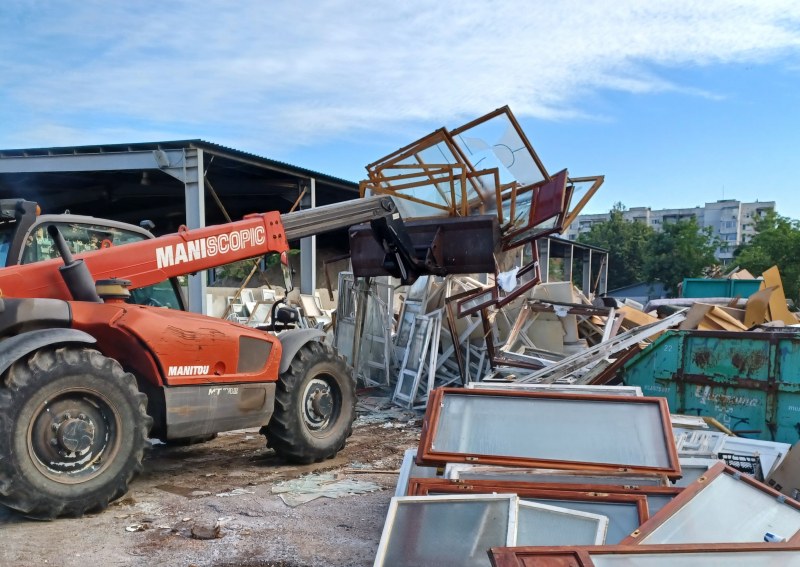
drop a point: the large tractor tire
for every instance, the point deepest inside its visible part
(315, 406)
(73, 432)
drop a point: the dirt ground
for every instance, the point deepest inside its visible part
(186, 494)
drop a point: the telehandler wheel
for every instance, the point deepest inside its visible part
(73, 431)
(315, 405)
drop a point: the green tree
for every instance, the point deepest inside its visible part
(777, 243)
(626, 242)
(681, 250)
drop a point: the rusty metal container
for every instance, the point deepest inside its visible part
(748, 381)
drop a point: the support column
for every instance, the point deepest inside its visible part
(587, 272)
(194, 187)
(568, 264)
(603, 287)
(308, 248)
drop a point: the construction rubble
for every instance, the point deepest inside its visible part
(562, 426)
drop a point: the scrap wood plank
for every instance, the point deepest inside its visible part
(778, 310)
(755, 311)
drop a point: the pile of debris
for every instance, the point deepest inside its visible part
(765, 306)
(508, 472)
(444, 336)
(525, 441)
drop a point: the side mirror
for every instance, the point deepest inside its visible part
(287, 272)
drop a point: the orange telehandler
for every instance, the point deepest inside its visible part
(92, 365)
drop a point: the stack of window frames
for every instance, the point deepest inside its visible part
(458, 530)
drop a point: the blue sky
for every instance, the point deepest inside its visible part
(677, 103)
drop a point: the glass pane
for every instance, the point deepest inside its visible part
(766, 558)
(419, 344)
(161, 294)
(80, 238)
(445, 533)
(727, 510)
(619, 433)
(496, 143)
(540, 524)
(657, 501)
(623, 518)
(690, 474)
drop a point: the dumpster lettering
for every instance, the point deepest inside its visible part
(704, 395)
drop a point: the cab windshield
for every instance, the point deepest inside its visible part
(82, 238)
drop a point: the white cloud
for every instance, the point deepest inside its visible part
(295, 72)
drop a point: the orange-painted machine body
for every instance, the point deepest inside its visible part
(154, 260)
(178, 348)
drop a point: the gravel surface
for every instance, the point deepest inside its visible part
(211, 505)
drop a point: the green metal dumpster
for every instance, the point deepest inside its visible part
(748, 381)
(710, 287)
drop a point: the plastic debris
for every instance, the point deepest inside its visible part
(310, 487)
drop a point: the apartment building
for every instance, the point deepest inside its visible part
(733, 222)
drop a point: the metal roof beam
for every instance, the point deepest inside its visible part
(171, 162)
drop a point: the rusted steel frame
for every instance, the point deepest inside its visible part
(693, 490)
(507, 111)
(581, 556)
(430, 425)
(576, 210)
(703, 380)
(430, 486)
